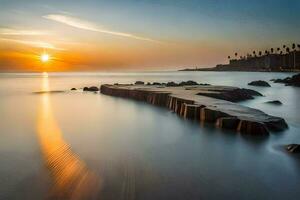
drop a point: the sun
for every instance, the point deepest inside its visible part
(45, 57)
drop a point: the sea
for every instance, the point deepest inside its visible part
(61, 144)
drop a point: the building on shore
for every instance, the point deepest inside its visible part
(269, 62)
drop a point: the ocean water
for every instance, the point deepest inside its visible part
(78, 145)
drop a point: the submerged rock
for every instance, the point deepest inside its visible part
(171, 84)
(188, 83)
(91, 89)
(275, 102)
(139, 83)
(260, 83)
(156, 83)
(293, 148)
(293, 81)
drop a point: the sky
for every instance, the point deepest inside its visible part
(139, 35)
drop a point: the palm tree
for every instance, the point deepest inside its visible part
(254, 53)
(293, 46)
(287, 50)
(236, 54)
(278, 49)
(298, 45)
(281, 52)
(284, 46)
(294, 52)
(266, 52)
(272, 50)
(259, 53)
(228, 57)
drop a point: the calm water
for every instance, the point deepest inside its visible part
(77, 145)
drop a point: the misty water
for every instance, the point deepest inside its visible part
(79, 145)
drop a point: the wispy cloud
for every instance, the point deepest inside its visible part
(85, 25)
(38, 44)
(10, 31)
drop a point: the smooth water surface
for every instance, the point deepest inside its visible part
(77, 145)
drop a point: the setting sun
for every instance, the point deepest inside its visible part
(45, 57)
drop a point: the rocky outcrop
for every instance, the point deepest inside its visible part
(73, 89)
(91, 89)
(186, 102)
(260, 83)
(293, 148)
(139, 83)
(233, 95)
(275, 102)
(293, 81)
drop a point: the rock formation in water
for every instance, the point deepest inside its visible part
(260, 83)
(233, 95)
(293, 81)
(139, 83)
(192, 102)
(91, 89)
(275, 102)
(293, 148)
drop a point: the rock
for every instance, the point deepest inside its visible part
(293, 148)
(188, 83)
(233, 95)
(139, 83)
(292, 81)
(156, 83)
(260, 83)
(275, 102)
(252, 128)
(204, 84)
(228, 122)
(189, 104)
(171, 84)
(91, 89)
(73, 89)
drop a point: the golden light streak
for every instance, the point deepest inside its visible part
(71, 177)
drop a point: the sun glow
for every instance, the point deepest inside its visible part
(45, 57)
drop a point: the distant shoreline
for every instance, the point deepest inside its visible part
(237, 69)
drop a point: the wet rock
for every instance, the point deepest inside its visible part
(156, 83)
(233, 95)
(252, 128)
(91, 89)
(260, 83)
(188, 83)
(292, 81)
(171, 84)
(187, 104)
(204, 84)
(211, 114)
(228, 123)
(139, 83)
(293, 148)
(73, 89)
(275, 102)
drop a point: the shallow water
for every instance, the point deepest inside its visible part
(77, 145)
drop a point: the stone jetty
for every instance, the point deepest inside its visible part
(204, 103)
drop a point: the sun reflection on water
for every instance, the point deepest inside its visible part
(71, 177)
